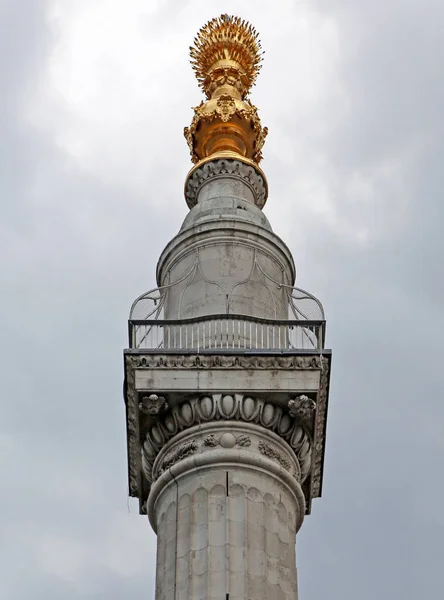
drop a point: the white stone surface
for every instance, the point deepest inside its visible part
(225, 497)
(227, 380)
(235, 261)
(227, 527)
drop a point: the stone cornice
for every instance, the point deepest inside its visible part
(320, 432)
(133, 435)
(144, 360)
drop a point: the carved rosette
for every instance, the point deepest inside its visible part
(153, 405)
(302, 408)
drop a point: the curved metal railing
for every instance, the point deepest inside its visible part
(301, 304)
(225, 332)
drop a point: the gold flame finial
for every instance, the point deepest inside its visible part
(226, 57)
(226, 50)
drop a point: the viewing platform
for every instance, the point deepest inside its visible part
(225, 333)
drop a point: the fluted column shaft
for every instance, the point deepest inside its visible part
(226, 508)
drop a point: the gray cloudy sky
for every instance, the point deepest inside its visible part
(95, 95)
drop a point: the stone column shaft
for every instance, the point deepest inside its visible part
(226, 377)
(226, 507)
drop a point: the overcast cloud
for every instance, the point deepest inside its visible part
(95, 95)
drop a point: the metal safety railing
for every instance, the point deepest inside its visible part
(228, 332)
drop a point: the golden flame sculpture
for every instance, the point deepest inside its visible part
(226, 58)
(226, 48)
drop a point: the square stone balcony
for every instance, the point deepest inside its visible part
(273, 361)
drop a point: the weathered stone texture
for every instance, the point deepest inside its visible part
(226, 532)
(224, 444)
(226, 256)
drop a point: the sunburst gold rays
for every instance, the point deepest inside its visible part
(226, 38)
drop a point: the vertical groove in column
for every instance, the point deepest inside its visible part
(271, 549)
(296, 596)
(286, 572)
(211, 544)
(256, 539)
(160, 571)
(237, 542)
(292, 553)
(199, 542)
(170, 550)
(217, 564)
(183, 547)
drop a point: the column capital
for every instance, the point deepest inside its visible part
(225, 167)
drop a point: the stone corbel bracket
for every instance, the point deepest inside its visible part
(283, 390)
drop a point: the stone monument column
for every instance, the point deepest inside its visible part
(227, 499)
(226, 376)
